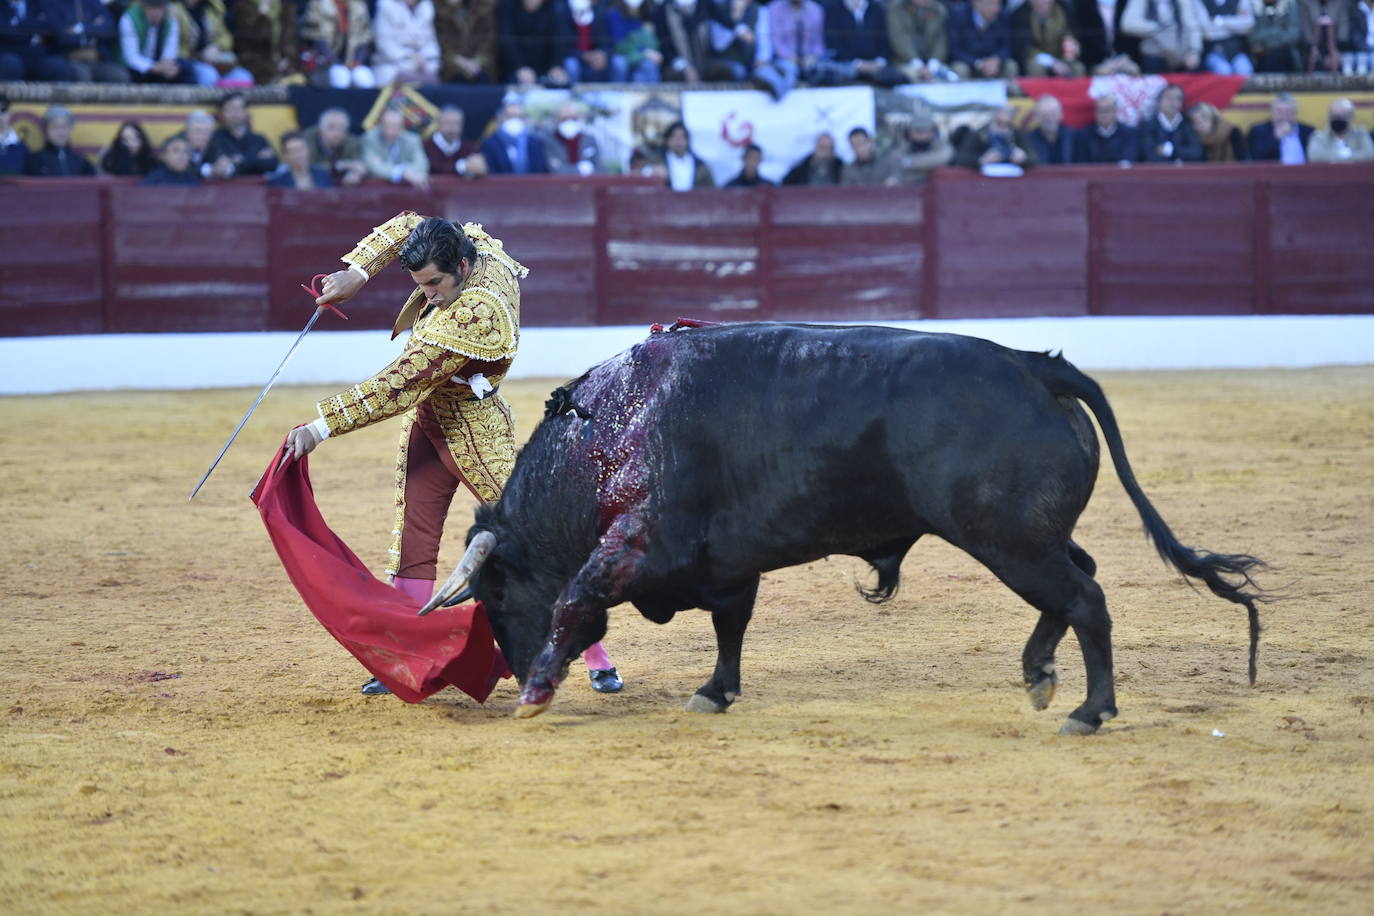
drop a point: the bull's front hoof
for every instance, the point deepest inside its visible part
(1041, 693)
(1076, 727)
(700, 703)
(530, 710)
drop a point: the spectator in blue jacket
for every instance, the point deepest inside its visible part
(85, 36)
(176, 168)
(1107, 139)
(13, 152)
(1050, 140)
(980, 41)
(26, 33)
(1167, 136)
(856, 45)
(514, 149)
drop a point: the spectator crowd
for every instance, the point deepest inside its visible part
(775, 45)
(328, 154)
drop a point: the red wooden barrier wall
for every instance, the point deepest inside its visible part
(88, 256)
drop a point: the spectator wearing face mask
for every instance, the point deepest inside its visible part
(572, 151)
(585, 45)
(1342, 140)
(513, 149)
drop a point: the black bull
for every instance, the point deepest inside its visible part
(673, 474)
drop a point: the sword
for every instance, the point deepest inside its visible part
(319, 310)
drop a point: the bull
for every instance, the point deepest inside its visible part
(672, 475)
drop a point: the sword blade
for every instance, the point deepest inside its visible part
(262, 394)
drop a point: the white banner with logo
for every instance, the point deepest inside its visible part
(722, 124)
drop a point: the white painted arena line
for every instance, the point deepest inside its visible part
(44, 365)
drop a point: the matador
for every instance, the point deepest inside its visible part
(464, 324)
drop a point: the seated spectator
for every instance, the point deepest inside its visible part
(13, 151)
(1361, 56)
(1283, 138)
(916, 29)
(333, 147)
(571, 150)
(1093, 32)
(1167, 136)
(85, 36)
(528, 30)
(27, 30)
(266, 39)
(1276, 41)
(741, 48)
(468, 50)
(633, 38)
(296, 170)
(394, 154)
(407, 44)
(448, 152)
(337, 38)
(584, 45)
(797, 28)
(1050, 140)
(1168, 31)
(207, 45)
(1043, 40)
(684, 170)
(199, 134)
(1342, 140)
(57, 158)
(1225, 25)
(820, 167)
(1107, 140)
(868, 168)
(980, 41)
(150, 42)
(513, 149)
(679, 25)
(129, 153)
(997, 142)
(856, 45)
(250, 153)
(749, 176)
(923, 150)
(1333, 27)
(176, 167)
(1222, 141)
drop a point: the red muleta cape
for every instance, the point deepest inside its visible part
(413, 656)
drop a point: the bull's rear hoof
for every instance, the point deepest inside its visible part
(699, 703)
(1041, 693)
(530, 710)
(1076, 727)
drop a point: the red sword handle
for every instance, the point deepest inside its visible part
(315, 294)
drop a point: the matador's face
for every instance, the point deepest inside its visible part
(441, 289)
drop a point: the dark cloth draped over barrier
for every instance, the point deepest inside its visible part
(479, 103)
(414, 656)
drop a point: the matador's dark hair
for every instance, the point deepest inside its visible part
(440, 242)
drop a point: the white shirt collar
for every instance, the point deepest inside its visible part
(444, 146)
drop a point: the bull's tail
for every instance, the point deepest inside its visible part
(1228, 575)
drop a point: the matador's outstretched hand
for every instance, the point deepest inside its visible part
(340, 286)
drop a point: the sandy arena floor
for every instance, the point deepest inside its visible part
(181, 736)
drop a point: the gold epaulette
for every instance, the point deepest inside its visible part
(484, 323)
(384, 243)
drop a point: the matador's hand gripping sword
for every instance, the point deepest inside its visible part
(314, 294)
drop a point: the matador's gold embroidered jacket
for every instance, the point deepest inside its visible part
(477, 333)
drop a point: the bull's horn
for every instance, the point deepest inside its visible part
(477, 552)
